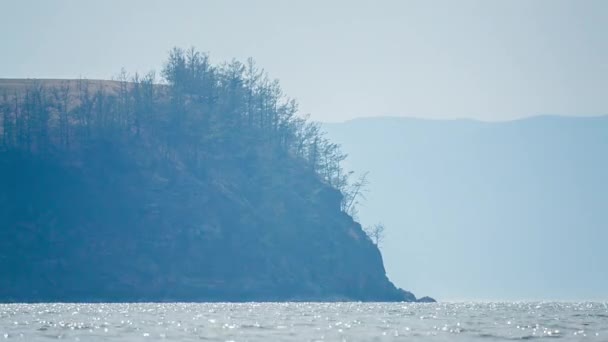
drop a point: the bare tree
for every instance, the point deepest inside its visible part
(375, 233)
(6, 122)
(353, 194)
(62, 100)
(252, 77)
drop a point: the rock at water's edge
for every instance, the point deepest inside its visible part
(426, 300)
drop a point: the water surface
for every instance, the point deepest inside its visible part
(305, 322)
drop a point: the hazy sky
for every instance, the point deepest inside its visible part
(490, 60)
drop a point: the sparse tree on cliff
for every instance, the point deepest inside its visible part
(353, 193)
(7, 122)
(375, 233)
(61, 97)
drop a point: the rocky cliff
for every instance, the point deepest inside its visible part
(104, 225)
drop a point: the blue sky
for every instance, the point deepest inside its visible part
(488, 60)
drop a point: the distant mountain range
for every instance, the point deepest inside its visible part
(476, 210)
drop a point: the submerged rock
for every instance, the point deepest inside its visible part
(426, 300)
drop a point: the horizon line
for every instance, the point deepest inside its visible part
(465, 119)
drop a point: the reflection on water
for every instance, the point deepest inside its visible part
(304, 321)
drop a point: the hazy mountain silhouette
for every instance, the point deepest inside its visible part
(475, 210)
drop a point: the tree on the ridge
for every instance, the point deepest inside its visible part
(353, 193)
(375, 233)
(61, 97)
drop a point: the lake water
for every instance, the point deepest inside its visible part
(305, 322)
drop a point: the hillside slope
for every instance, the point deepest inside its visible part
(108, 225)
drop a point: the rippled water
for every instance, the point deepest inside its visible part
(305, 321)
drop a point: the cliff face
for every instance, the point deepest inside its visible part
(111, 223)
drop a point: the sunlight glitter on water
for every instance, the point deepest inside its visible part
(304, 321)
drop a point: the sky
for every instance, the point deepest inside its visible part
(342, 59)
(481, 211)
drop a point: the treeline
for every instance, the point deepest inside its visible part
(199, 112)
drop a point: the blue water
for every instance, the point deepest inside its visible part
(305, 322)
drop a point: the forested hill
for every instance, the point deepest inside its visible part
(207, 187)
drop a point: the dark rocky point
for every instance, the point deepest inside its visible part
(426, 300)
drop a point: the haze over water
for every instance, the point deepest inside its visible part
(305, 321)
(472, 211)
